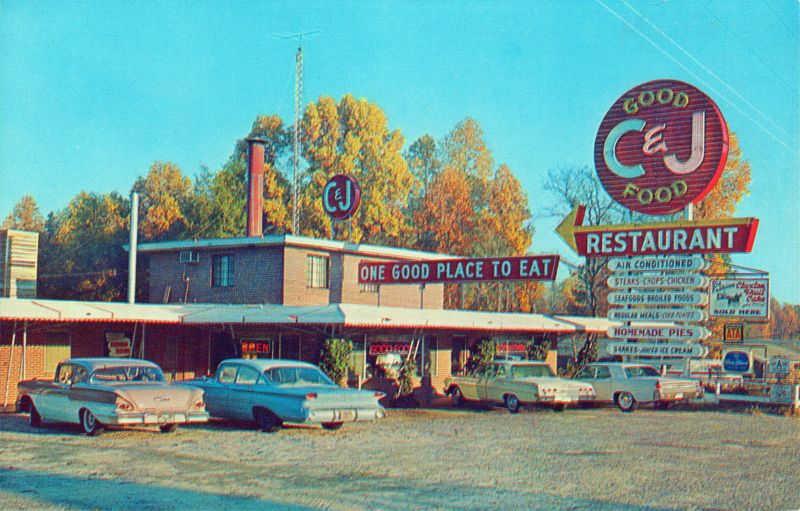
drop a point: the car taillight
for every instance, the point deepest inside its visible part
(311, 395)
(200, 404)
(658, 385)
(124, 405)
(378, 395)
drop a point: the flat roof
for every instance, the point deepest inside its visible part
(346, 315)
(290, 240)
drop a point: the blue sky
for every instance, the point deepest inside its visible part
(91, 93)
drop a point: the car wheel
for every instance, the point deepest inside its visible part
(513, 404)
(168, 428)
(35, 420)
(267, 421)
(456, 397)
(91, 426)
(560, 407)
(333, 426)
(626, 402)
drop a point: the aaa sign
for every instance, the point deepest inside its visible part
(662, 145)
(459, 270)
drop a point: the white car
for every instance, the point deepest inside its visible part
(628, 385)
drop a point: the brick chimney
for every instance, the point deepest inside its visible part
(255, 187)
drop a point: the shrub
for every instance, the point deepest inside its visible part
(539, 351)
(405, 383)
(482, 354)
(335, 357)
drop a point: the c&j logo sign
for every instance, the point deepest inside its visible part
(341, 197)
(661, 146)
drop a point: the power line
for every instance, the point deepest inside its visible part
(709, 86)
(703, 66)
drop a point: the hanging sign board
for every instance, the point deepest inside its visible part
(739, 298)
(657, 298)
(681, 332)
(648, 281)
(341, 197)
(661, 146)
(119, 345)
(685, 314)
(653, 349)
(459, 270)
(657, 263)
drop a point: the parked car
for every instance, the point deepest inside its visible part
(273, 391)
(628, 385)
(100, 392)
(707, 371)
(515, 383)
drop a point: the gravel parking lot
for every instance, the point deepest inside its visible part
(416, 459)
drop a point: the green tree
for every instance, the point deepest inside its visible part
(25, 216)
(334, 358)
(352, 137)
(81, 251)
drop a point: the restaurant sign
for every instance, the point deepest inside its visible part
(386, 347)
(739, 298)
(459, 270)
(661, 146)
(637, 297)
(721, 235)
(657, 349)
(685, 314)
(660, 280)
(680, 332)
(341, 197)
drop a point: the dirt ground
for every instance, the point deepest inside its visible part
(473, 459)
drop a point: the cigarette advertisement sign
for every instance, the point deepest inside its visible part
(652, 349)
(459, 270)
(739, 298)
(661, 146)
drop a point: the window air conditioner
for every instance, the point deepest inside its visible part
(189, 256)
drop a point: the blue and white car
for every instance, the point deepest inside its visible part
(274, 391)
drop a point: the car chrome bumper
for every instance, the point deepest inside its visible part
(565, 400)
(344, 414)
(154, 419)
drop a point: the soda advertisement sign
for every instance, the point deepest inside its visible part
(739, 298)
(661, 146)
(341, 197)
(459, 270)
(737, 361)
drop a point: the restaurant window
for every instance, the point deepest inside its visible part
(317, 272)
(385, 356)
(222, 271)
(368, 288)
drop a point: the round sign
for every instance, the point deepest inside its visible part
(660, 147)
(341, 197)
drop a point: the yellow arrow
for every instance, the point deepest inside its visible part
(566, 229)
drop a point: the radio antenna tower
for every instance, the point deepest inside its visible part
(298, 115)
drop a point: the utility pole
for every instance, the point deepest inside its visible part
(298, 116)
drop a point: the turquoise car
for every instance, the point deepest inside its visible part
(273, 391)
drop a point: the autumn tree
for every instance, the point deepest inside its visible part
(25, 216)
(165, 195)
(81, 253)
(352, 137)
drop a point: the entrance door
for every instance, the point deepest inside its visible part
(457, 352)
(290, 347)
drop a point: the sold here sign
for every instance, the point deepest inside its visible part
(459, 270)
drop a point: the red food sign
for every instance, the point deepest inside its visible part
(660, 147)
(459, 270)
(341, 197)
(383, 348)
(512, 347)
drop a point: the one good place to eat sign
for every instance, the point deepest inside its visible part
(459, 270)
(660, 147)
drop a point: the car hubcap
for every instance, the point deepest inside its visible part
(89, 420)
(625, 401)
(512, 402)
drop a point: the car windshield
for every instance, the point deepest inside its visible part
(124, 374)
(531, 371)
(296, 375)
(639, 371)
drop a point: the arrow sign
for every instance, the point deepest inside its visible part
(685, 314)
(723, 235)
(649, 298)
(651, 349)
(680, 332)
(681, 280)
(657, 263)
